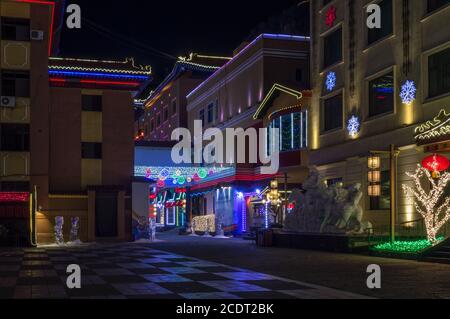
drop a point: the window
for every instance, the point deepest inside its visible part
(91, 103)
(335, 181)
(15, 137)
(166, 114)
(15, 29)
(384, 201)
(433, 5)
(158, 120)
(91, 150)
(293, 132)
(201, 115)
(174, 107)
(15, 186)
(381, 95)
(299, 76)
(152, 126)
(332, 113)
(211, 113)
(216, 111)
(16, 84)
(439, 73)
(332, 48)
(373, 35)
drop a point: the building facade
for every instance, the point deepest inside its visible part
(373, 88)
(66, 133)
(240, 95)
(165, 108)
(29, 34)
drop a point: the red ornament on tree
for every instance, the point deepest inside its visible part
(436, 164)
(331, 16)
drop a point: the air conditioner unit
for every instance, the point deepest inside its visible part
(8, 101)
(37, 35)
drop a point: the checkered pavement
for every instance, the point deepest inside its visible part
(132, 271)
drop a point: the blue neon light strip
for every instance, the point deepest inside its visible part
(103, 75)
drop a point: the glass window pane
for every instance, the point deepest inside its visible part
(439, 73)
(332, 48)
(381, 94)
(375, 34)
(332, 113)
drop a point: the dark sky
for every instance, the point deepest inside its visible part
(135, 27)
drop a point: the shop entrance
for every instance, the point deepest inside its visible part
(106, 215)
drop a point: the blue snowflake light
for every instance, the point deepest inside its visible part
(331, 81)
(408, 92)
(353, 126)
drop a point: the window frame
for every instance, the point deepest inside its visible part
(428, 12)
(367, 30)
(328, 33)
(13, 22)
(87, 153)
(427, 57)
(394, 94)
(14, 75)
(322, 112)
(92, 107)
(24, 137)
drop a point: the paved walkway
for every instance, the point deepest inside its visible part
(140, 271)
(400, 278)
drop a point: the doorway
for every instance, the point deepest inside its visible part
(106, 214)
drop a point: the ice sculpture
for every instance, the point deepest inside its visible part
(74, 229)
(59, 235)
(322, 209)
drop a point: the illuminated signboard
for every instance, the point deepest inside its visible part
(437, 130)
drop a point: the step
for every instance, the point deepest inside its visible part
(437, 260)
(440, 254)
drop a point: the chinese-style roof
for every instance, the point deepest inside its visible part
(194, 64)
(98, 73)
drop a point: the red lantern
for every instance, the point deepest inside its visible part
(436, 163)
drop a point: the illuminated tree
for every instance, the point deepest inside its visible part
(432, 206)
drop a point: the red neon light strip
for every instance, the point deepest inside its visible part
(52, 4)
(59, 80)
(110, 82)
(236, 178)
(14, 197)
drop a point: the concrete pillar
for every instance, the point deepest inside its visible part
(121, 216)
(91, 216)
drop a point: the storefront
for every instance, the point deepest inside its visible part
(16, 219)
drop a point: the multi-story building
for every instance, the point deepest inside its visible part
(29, 34)
(88, 148)
(373, 88)
(165, 108)
(66, 132)
(260, 87)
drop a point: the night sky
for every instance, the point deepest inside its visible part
(154, 32)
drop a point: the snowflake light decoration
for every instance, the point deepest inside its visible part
(353, 126)
(331, 81)
(408, 92)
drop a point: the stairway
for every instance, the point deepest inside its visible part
(438, 254)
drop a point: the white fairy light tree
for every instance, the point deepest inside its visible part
(429, 204)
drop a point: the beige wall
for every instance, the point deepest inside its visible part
(242, 85)
(335, 153)
(375, 60)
